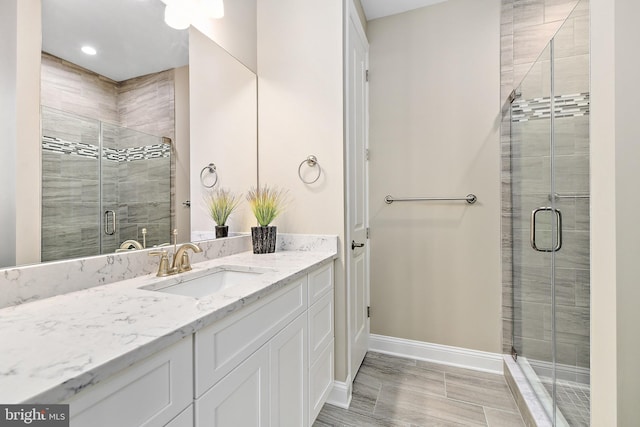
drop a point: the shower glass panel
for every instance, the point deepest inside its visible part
(136, 188)
(531, 153)
(550, 196)
(102, 184)
(70, 185)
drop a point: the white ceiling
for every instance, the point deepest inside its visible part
(379, 8)
(130, 36)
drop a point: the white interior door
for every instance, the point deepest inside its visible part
(357, 191)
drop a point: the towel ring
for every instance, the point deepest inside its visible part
(311, 161)
(211, 167)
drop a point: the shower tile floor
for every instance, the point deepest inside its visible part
(573, 400)
(393, 391)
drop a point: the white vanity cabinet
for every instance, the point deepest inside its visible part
(321, 338)
(256, 368)
(267, 364)
(150, 393)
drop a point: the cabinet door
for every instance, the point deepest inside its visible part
(320, 326)
(320, 381)
(239, 399)
(149, 393)
(221, 346)
(185, 419)
(289, 375)
(320, 281)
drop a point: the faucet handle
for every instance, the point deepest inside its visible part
(185, 264)
(163, 266)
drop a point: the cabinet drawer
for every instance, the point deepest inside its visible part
(149, 393)
(320, 381)
(320, 281)
(320, 325)
(223, 345)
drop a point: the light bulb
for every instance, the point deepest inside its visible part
(88, 50)
(176, 17)
(213, 8)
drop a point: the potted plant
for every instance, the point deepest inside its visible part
(266, 204)
(221, 203)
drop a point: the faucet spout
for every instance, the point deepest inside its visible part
(181, 257)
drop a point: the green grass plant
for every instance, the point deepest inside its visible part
(266, 203)
(221, 204)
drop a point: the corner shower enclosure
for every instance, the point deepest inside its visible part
(550, 223)
(101, 185)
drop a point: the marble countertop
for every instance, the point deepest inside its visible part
(55, 347)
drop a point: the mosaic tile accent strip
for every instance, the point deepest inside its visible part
(572, 105)
(70, 148)
(132, 154)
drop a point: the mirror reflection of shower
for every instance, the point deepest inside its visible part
(102, 185)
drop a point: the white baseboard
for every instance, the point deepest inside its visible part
(340, 395)
(447, 355)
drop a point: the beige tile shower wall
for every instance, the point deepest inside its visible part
(146, 104)
(434, 114)
(526, 26)
(530, 189)
(67, 87)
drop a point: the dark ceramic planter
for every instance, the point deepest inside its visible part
(263, 239)
(222, 231)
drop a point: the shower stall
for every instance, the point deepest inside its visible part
(102, 184)
(549, 119)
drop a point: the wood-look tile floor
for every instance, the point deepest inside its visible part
(392, 391)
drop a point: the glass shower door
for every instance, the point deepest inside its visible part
(535, 225)
(102, 185)
(550, 196)
(135, 188)
(70, 185)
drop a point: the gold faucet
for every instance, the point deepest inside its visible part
(180, 261)
(181, 258)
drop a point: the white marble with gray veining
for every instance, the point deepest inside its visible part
(54, 347)
(33, 282)
(284, 241)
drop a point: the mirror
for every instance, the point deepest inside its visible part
(210, 120)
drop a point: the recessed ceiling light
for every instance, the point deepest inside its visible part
(176, 16)
(89, 50)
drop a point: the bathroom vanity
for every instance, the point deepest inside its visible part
(240, 340)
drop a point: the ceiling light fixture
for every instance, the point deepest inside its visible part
(213, 8)
(177, 17)
(89, 50)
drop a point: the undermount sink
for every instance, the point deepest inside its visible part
(217, 280)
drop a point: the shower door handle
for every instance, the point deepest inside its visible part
(558, 217)
(111, 214)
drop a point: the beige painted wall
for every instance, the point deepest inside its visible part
(181, 154)
(434, 131)
(8, 128)
(301, 113)
(28, 154)
(236, 32)
(223, 128)
(615, 233)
